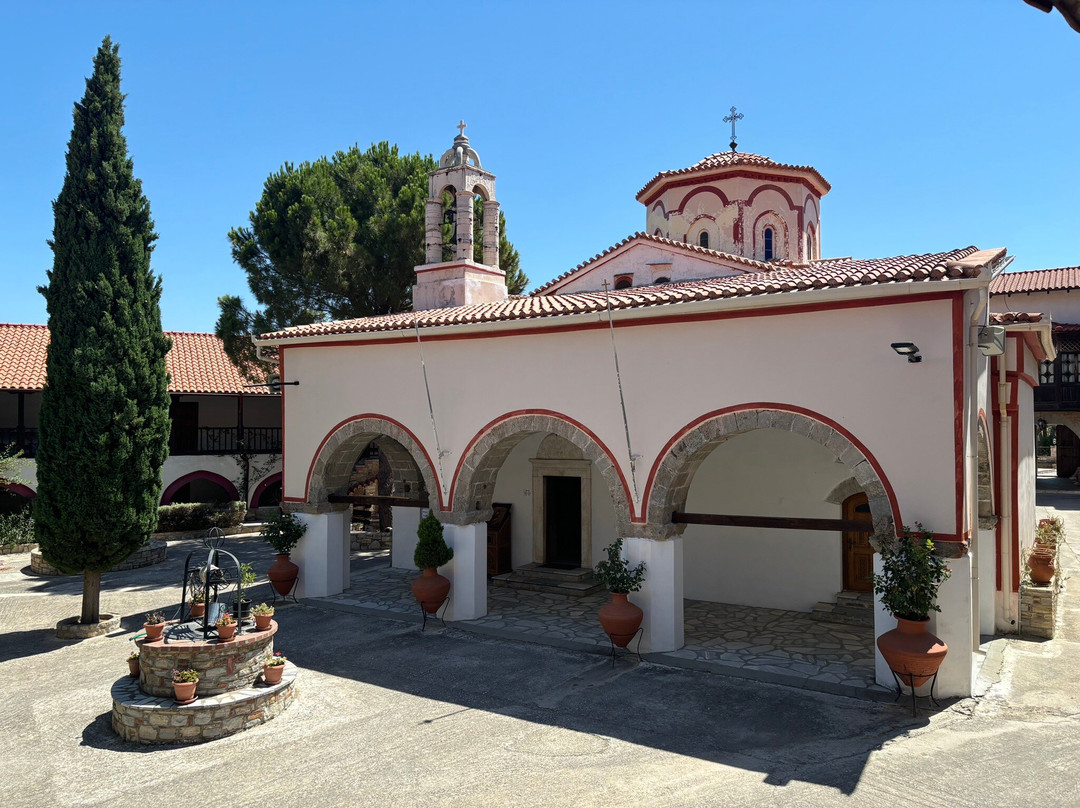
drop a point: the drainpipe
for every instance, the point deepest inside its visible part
(1004, 464)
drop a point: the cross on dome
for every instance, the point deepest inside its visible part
(461, 127)
(732, 118)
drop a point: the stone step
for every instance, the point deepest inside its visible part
(573, 585)
(855, 600)
(535, 570)
(832, 613)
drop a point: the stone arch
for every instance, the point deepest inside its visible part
(412, 472)
(474, 479)
(482, 192)
(843, 490)
(221, 482)
(673, 472)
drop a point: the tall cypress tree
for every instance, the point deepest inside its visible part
(104, 423)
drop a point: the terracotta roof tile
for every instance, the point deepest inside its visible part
(197, 362)
(1011, 317)
(1036, 280)
(831, 273)
(748, 264)
(729, 159)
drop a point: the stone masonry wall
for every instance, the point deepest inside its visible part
(1038, 608)
(222, 665)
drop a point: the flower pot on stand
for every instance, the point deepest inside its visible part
(184, 691)
(620, 619)
(912, 652)
(283, 574)
(430, 590)
(1041, 564)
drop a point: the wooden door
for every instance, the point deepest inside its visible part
(858, 554)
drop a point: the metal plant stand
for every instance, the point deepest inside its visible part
(290, 595)
(614, 647)
(211, 577)
(442, 607)
(897, 677)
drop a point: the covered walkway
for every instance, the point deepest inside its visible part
(770, 645)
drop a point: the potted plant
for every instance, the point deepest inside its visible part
(197, 604)
(226, 627)
(184, 683)
(620, 618)
(282, 531)
(908, 584)
(262, 614)
(133, 663)
(242, 606)
(273, 667)
(154, 625)
(431, 589)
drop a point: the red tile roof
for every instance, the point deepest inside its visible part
(1011, 317)
(746, 264)
(197, 362)
(831, 273)
(1036, 280)
(731, 159)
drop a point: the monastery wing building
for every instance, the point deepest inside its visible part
(741, 410)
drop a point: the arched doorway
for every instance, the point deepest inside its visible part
(200, 486)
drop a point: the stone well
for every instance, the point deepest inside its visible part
(223, 665)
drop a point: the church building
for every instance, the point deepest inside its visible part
(742, 411)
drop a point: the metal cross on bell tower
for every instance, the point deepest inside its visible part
(732, 118)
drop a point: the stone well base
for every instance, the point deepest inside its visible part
(151, 553)
(223, 665)
(139, 718)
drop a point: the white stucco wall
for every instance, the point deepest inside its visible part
(765, 473)
(1060, 307)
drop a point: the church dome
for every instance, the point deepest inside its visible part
(730, 160)
(461, 153)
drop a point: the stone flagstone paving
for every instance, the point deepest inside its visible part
(768, 644)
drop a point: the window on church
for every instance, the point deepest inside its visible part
(660, 280)
(624, 281)
(703, 239)
(768, 238)
(810, 245)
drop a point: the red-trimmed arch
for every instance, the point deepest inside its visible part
(762, 188)
(707, 190)
(260, 489)
(202, 474)
(19, 489)
(767, 405)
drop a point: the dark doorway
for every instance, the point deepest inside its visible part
(1068, 452)
(184, 438)
(562, 522)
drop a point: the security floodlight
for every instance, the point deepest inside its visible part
(908, 349)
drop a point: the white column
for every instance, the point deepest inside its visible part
(661, 597)
(463, 250)
(987, 579)
(433, 231)
(323, 554)
(954, 624)
(491, 234)
(883, 621)
(406, 521)
(467, 571)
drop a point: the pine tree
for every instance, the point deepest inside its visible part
(104, 423)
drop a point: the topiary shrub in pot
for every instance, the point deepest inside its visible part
(908, 585)
(432, 552)
(282, 531)
(620, 618)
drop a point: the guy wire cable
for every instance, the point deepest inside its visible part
(622, 400)
(431, 410)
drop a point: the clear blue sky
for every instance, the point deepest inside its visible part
(939, 124)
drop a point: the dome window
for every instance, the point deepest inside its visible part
(768, 239)
(703, 239)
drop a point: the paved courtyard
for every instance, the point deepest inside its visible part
(389, 716)
(761, 644)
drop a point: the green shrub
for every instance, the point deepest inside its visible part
(431, 549)
(16, 528)
(282, 532)
(199, 516)
(615, 573)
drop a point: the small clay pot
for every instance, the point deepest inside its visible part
(153, 630)
(620, 619)
(262, 621)
(133, 667)
(226, 632)
(272, 673)
(184, 691)
(912, 652)
(198, 610)
(430, 590)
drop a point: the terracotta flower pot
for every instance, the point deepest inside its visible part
(912, 651)
(620, 619)
(430, 590)
(133, 667)
(283, 574)
(226, 632)
(262, 621)
(184, 691)
(1041, 565)
(198, 610)
(272, 673)
(153, 630)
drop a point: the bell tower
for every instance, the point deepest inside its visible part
(461, 280)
